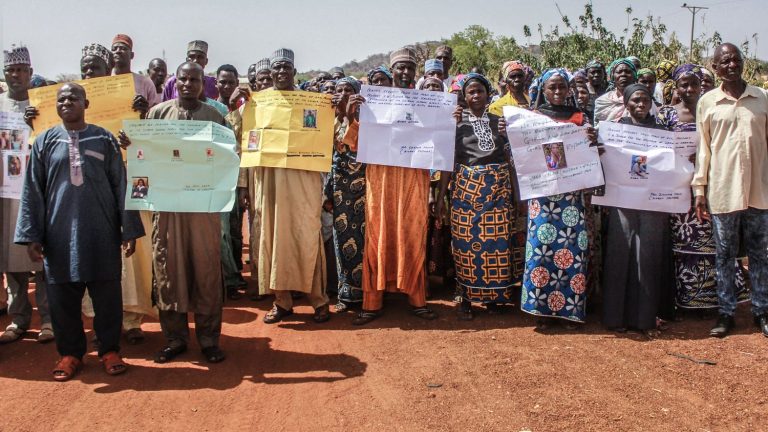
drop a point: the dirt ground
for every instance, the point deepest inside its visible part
(402, 374)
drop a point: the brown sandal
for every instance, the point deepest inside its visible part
(113, 364)
(66, 368)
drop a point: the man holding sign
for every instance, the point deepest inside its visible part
(396, 211)
(288, 202)
(187, 246)
(14, 261)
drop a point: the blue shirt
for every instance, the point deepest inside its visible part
(73, 204)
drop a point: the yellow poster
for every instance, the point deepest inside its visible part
(111, 100)
(288, 129)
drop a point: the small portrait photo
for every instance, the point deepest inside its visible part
(176, 153)
(639, 168)
(140, 187)
(140, 154)
(254, 139)
(554, 155)
(310, 118)
(209, 152)
(14, 166)
(5, 139)
(17, 139)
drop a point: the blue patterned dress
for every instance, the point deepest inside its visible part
(556, 255)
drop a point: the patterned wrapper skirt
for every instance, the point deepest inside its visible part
(481, 234)
(555, 278)
(349, 225)
(693, 245)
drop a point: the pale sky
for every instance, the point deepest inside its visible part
(322, 34)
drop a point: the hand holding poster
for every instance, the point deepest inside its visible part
(110, 102)
(288, 129)
(407, 128)
(183, 166)
(550, 158)
(14, 150)
(647, 169)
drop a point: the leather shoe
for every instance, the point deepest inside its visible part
(762, 322)
(723, 326)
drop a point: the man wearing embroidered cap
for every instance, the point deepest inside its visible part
(396, 212)
(95, 63)
(336, 73)
(122, 54)
(197, 52)
(14, 261)
(433, 68)
(286, 233)
(260, 75)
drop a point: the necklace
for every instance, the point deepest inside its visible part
(482, 128)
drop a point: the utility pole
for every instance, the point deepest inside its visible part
(693, 10)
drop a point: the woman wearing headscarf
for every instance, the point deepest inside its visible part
(481, 192)
(346, 191)
(663, 75)
(637, 254)
(707, 81)
(514, 75)
(647, 77)
(610, 106)
(558, 245)
(693, 243)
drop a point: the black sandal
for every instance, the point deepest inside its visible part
(322, 314)
(169, 353)
(424, 313)
(134, 336)
(364, 317)
(213, 354)
(276, 314)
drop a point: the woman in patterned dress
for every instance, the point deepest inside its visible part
(481, 207)
(693, 242)
(346, 190)
(557, 247)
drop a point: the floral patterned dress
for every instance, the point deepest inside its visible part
(693, 245)
(556, 255)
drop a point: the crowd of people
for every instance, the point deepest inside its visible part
(351, 236)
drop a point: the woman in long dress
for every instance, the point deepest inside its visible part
(637, 258)
(557, 247)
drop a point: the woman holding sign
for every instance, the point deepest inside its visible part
(481, 203)
(558, 248)
(693, 243)
(637, 257)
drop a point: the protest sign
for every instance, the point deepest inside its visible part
(550, 158)
(110, 102)
(288, 129)
(407, 128)
(183, 166)
(14, 151)
(647, 169)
